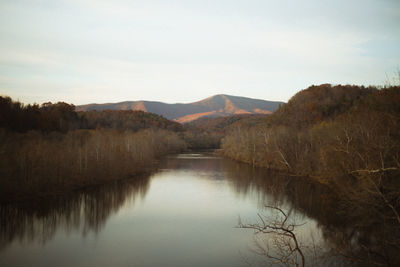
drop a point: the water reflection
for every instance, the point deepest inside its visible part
(269, 187)
(86, 211)
(362, 238)
(357, 238)
(277, 189)
(193, 198)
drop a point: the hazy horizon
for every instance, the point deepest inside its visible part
(90, 51)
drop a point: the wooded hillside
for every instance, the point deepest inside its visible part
(51, 149)
(348, 138)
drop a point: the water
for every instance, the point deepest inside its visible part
(184, 214)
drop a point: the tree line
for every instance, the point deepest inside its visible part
(62, 117)
(51, 149)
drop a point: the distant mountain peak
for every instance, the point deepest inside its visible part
(216, 105)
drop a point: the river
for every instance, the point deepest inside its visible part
(185, 213)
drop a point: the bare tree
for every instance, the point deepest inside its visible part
(287, 249)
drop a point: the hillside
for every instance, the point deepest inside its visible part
(319, 103)
(346, 138)
(215, 106)
(224, 124)
(207, 132)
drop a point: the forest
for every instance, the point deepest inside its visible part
(51, 149)
(207, 133)
(346, 138)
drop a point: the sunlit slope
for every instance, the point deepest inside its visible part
(215, 106)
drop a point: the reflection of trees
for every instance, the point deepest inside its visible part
(85, 211)
(362, 238)
(204, 163)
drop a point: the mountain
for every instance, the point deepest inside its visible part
(215, 106)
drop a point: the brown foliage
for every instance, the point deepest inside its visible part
(133, 120)
(347, 137)
(33, 164)
(49, 149)
(207, 133)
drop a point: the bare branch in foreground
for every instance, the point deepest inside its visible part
(285, 242)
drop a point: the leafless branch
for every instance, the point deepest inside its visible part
(286, 242)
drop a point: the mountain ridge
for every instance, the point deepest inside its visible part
(214, 106)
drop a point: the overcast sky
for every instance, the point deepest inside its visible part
(87, 51)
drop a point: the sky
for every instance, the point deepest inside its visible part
(97, 51)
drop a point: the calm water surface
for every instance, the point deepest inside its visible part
(184, 214)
